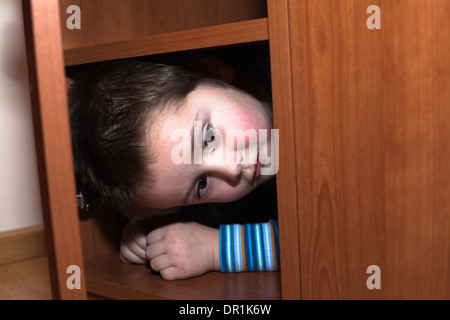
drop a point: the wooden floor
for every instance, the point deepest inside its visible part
(25, 280)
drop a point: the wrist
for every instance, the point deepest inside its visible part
(215, 249)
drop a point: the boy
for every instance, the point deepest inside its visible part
(125, 117)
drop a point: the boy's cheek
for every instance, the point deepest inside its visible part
(251, 121)
(243, 119)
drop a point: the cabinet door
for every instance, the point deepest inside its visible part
(372, 135)
(54, 152)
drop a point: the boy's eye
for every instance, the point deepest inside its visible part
(201, 187)
(210, 135)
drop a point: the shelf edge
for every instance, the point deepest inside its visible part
(207, 37)
(107, 277)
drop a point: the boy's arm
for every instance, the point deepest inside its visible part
(185, 250)
(249, 247)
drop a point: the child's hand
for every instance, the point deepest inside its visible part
(183, 250)
(133, 244)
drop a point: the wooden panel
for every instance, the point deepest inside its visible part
(22, 244)
(283, 108)
(372, 135)
(233, 33)
(116, 20)
(107, 276)
(53, 147)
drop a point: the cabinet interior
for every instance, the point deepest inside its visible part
(153, 31)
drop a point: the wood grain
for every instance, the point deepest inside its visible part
(233, 33)
(372, 147)
(22, 244)
(117, 20)
(283, 112)
(25, 280)
(107, 276)
(53, 146)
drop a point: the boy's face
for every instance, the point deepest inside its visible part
(213, 149)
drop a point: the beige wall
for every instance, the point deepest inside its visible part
(19, 188)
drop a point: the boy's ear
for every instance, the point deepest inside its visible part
(210, 66)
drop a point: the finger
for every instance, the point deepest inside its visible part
(155, 249)
(140, 239)
(129, 257)
(160, 263)
(136, 249)
(170, 274)
(155, 235)
(123, 259)
(138, 235)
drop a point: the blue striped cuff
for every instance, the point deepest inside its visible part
(249, 247)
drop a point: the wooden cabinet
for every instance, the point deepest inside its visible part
(363, 115)
(371, 153)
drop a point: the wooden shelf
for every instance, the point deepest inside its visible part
(107, 276)
(221, 35)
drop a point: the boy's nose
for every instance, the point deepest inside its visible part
(231, 172)
(231, 168)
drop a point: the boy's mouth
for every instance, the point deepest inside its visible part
(257, 172)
